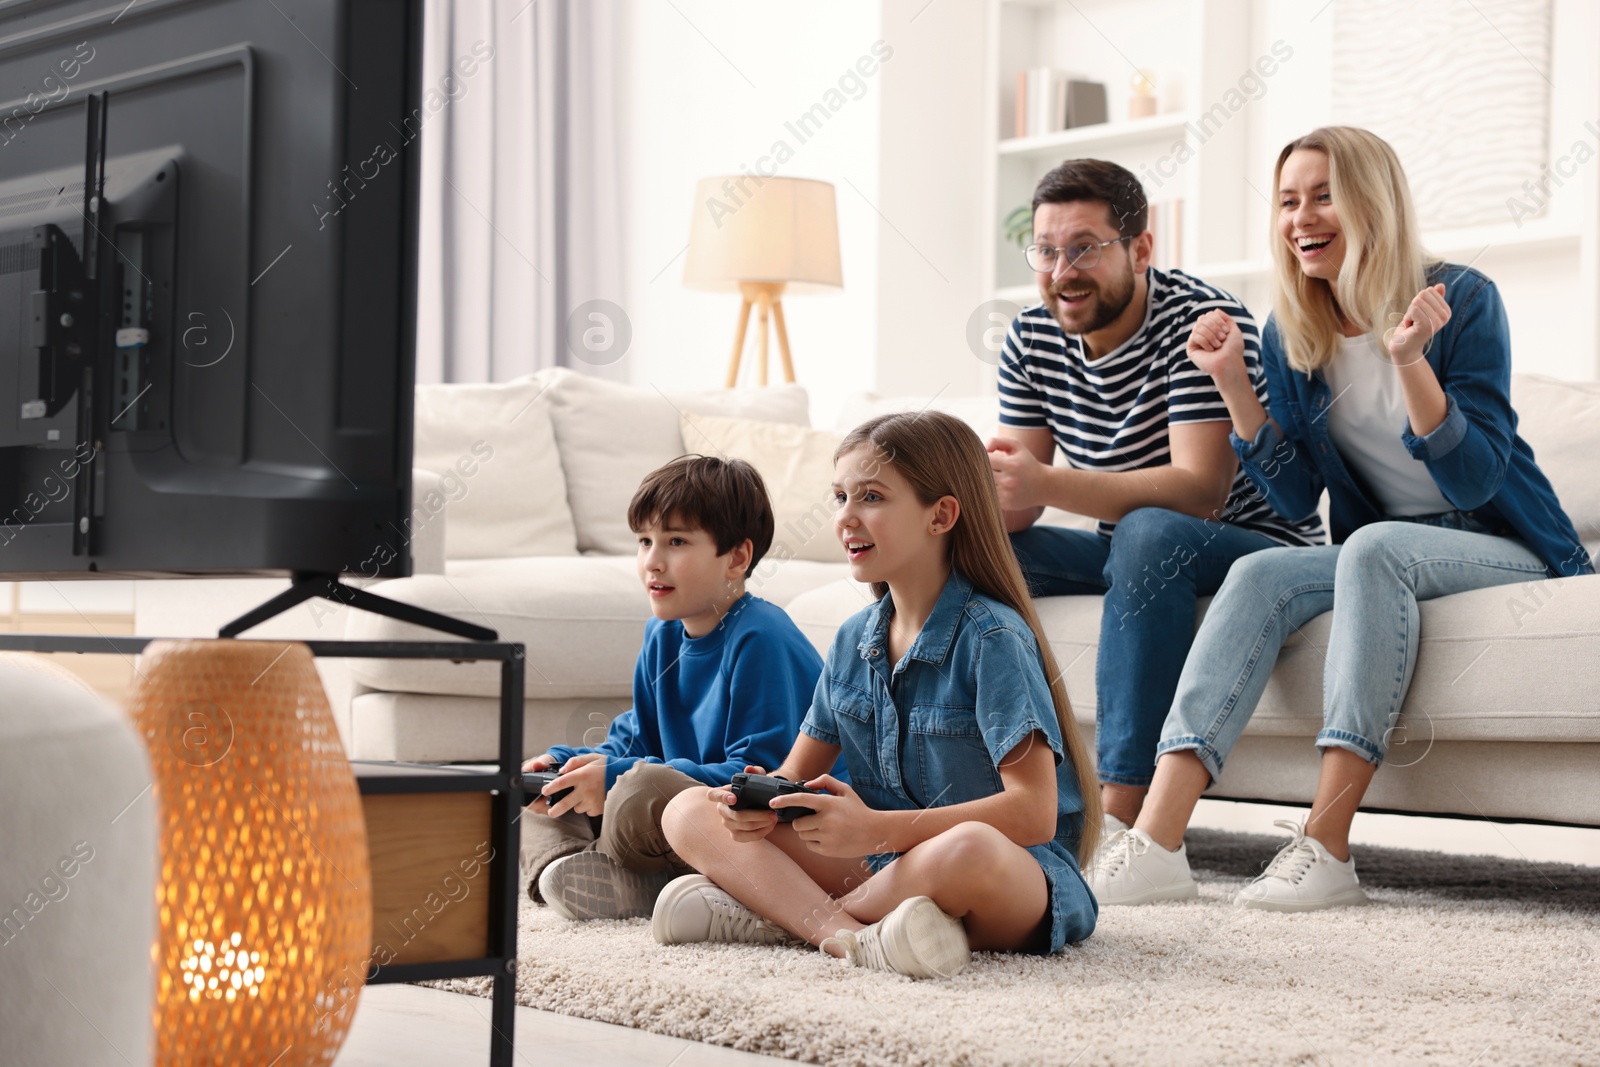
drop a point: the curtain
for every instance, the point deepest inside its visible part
(520, 255)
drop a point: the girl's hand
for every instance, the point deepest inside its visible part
(842, 826)
(749, 825)
(1217, 347)
(585, 775)
(1017, 474)
(540, 763)
(1408, 342)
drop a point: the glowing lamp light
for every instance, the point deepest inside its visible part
(265, 893)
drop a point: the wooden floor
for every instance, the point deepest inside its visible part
(413, 1026)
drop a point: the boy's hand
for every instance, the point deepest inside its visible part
(585, 775)
(539, 763)
(843, 824)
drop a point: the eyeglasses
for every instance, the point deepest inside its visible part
(1085, 256)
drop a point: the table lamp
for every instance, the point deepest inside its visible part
(763, 236)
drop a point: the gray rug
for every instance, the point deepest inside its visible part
(1469, 961)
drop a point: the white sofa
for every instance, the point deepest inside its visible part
(1502, 720)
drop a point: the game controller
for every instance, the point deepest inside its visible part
(755, 791)
(534, 781)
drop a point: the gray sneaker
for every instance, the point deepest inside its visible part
(590, 885)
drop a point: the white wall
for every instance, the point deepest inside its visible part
(708, 85)
(930, 240)
(707, 88)
(1548, 289)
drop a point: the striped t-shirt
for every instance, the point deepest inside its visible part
(1112, 414)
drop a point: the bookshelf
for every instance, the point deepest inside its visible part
(1193, 149)
(1547, 268)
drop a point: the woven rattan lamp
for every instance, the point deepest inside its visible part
(763, 237)
(264, 896)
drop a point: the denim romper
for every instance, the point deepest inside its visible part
(932, 729)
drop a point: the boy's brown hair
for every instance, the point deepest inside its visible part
(724, 497)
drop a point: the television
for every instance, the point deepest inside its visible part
(208, 233)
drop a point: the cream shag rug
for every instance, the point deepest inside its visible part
(1468, 961)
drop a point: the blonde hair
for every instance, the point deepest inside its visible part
(1384, 263)
(939, 455)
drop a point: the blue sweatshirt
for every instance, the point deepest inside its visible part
(710, 705)
(1476, 458)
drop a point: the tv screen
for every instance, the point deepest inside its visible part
(208, 220)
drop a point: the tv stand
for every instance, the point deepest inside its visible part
(328, 586)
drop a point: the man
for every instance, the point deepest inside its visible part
(1100, 370)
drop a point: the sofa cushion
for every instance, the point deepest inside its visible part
(494, 448)
(611, 435)
(796, 463)
(581, 619)
(1559, 420)
(1484, 669)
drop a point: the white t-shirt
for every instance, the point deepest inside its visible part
(1366, 417)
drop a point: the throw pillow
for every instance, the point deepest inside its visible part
(796, 462)
(611, 435)
(1558, 419)
(494, 448)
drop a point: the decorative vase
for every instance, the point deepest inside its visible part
(264, 893)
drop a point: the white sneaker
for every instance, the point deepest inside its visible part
(591, 885)
(1110, 824)
(1130, 868)
(693, 908)
(1303, 876)
(916, 939)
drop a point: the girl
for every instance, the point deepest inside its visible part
(965, 820)
(1406, 420)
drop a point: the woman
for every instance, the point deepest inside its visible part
(1389, 376)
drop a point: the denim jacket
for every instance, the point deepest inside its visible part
(1475, 456)
(932, 729)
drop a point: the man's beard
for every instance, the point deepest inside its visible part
(1105, 304)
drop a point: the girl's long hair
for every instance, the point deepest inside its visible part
(939, 455)
(1384, 264)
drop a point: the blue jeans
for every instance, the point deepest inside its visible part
(1372, 584)
(1151, 570)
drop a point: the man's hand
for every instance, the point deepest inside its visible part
(1408, 342)
(585, 775)
(1018, 474)
(1217, 347)
(843, 824)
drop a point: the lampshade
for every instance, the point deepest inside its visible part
(752, 229)
(264, 894)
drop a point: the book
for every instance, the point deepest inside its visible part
(1166, 227)
(1021, 109)
(1048, 100)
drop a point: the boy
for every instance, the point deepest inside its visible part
(722, 682)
